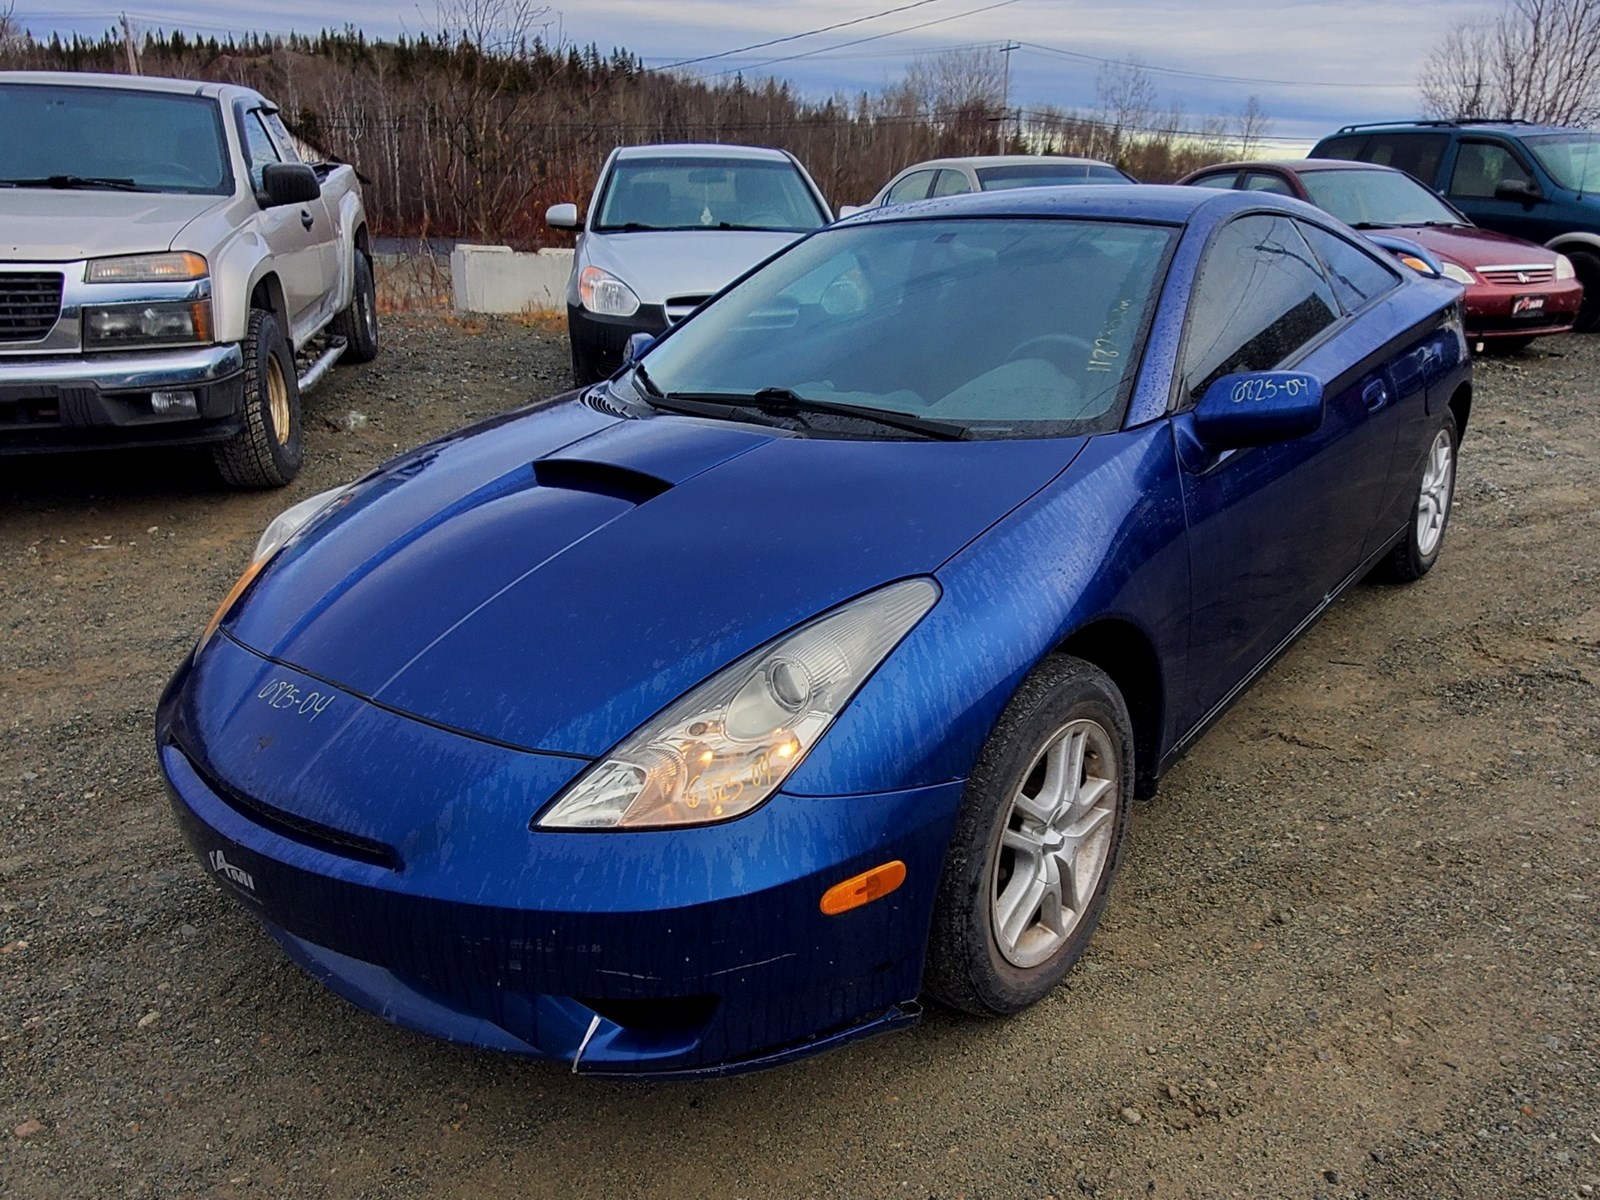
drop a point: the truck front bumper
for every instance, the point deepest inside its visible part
(88, 401)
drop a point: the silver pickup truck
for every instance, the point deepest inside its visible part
(171, 271)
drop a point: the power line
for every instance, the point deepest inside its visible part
(794, 37)
(1095, 58)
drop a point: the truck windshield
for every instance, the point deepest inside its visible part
(706, 193)
(54, 136)
(1573, 159)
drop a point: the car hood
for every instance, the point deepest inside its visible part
(693, 262)
(1474, 247)
(61, 225)
(551, 580)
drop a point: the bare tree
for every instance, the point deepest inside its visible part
(1125, 99)
(1251, 126)
(1539, 60)
(13, 38)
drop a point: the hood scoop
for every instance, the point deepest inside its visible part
(599, 479)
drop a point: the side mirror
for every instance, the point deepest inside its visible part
(1525, 191)
(636, 345)
(1257, 408)
(850, 210)
(288, 183)
(561, 216)
(1412, 254)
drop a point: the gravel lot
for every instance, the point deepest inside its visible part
(1354, 951)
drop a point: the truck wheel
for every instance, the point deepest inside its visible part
(358, 324)
(1588, 268)
(268, 451)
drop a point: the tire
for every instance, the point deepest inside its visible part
(1587, 265)
(358, 323)
(583, 370)
(1000, 856)
(1418, 549)
(268, 451)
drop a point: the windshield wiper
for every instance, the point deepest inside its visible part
(1372, 225)
(110, 182)
(784, 402)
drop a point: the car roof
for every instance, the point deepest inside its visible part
(702, 150)
(1512, 128)
(1008, 160)
(1298, 165)
(1165, 203)
(136, 83)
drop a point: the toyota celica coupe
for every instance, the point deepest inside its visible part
(809, 666)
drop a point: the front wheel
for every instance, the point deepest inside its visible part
(1036, 843)
(1418, 549)
(1587, 266)
(268, 450)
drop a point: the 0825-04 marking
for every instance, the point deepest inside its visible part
(282, 694)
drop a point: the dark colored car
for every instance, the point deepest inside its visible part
(1536, 182)
(711, 716)
(1516, 291)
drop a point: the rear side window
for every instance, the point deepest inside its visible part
(1265, 181)
(1483, 166)
(1357, 276)
(1417, 154)
(951, 183)
(1261, 296)
(1223, 181)
(1342, 147)
(913, 187)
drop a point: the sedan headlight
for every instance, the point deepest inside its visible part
(279, 532)
(171, 267)
(180, 323)
(727, 745)
(1564, 268)
(603, 293)
(1458, 273)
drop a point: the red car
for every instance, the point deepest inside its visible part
(1516, 290)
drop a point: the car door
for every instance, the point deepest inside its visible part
(325, 221)
(293, 232)
(1481, 165)
(1272, 529)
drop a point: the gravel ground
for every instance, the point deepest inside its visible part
(1353, 952)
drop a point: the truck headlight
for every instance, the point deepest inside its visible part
(603, 293)
(168, 267)
(727, 745)
(164, 323)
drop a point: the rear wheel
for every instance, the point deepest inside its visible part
(268, 450)
(1036, 843)
(1587, 265)
(1416, 552)
(358, 324)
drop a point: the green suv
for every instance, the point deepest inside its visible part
(1538, 182)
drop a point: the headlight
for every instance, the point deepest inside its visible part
(278, 533)
(1564, 269)
(730, 743)
(603, 293)
(146, 268)
(1457, 272)
(111, 327)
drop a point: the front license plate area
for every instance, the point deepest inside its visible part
(1527, 306)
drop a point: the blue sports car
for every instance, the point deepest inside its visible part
(810, 665)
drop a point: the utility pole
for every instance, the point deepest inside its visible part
(127, 44)
(1005, 101)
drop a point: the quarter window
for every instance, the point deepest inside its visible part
(1356, 276)
(1261, 296)
(1483, 166)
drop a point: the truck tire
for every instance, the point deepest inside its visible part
(1587, 266)
(268, 451)
(358, 324)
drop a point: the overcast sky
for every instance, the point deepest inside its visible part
(1315, 63)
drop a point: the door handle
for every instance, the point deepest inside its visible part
(1375, 395)
(306, 219)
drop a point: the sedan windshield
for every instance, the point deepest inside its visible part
(1377, 198)
(97, 138)
(994, 179)
(1573, 159)
(707, 193)
(996, 327)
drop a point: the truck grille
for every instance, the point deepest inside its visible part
(1516, 276)
(30, 302)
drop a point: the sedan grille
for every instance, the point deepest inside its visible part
(30, 302)
(1518, 276)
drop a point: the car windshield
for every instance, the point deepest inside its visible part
(997, 327)
(1377, 198)
(1573, 159)
(707, 193)
(110, 138)
(1021, 175)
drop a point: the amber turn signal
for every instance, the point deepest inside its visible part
(863, 888)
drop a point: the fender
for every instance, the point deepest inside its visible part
(1575, 239)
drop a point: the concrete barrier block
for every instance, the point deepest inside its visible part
(497, 279)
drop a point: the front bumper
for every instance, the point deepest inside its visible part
(85, 401)
(1490, 309)
(402, 872)
(599, 342)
